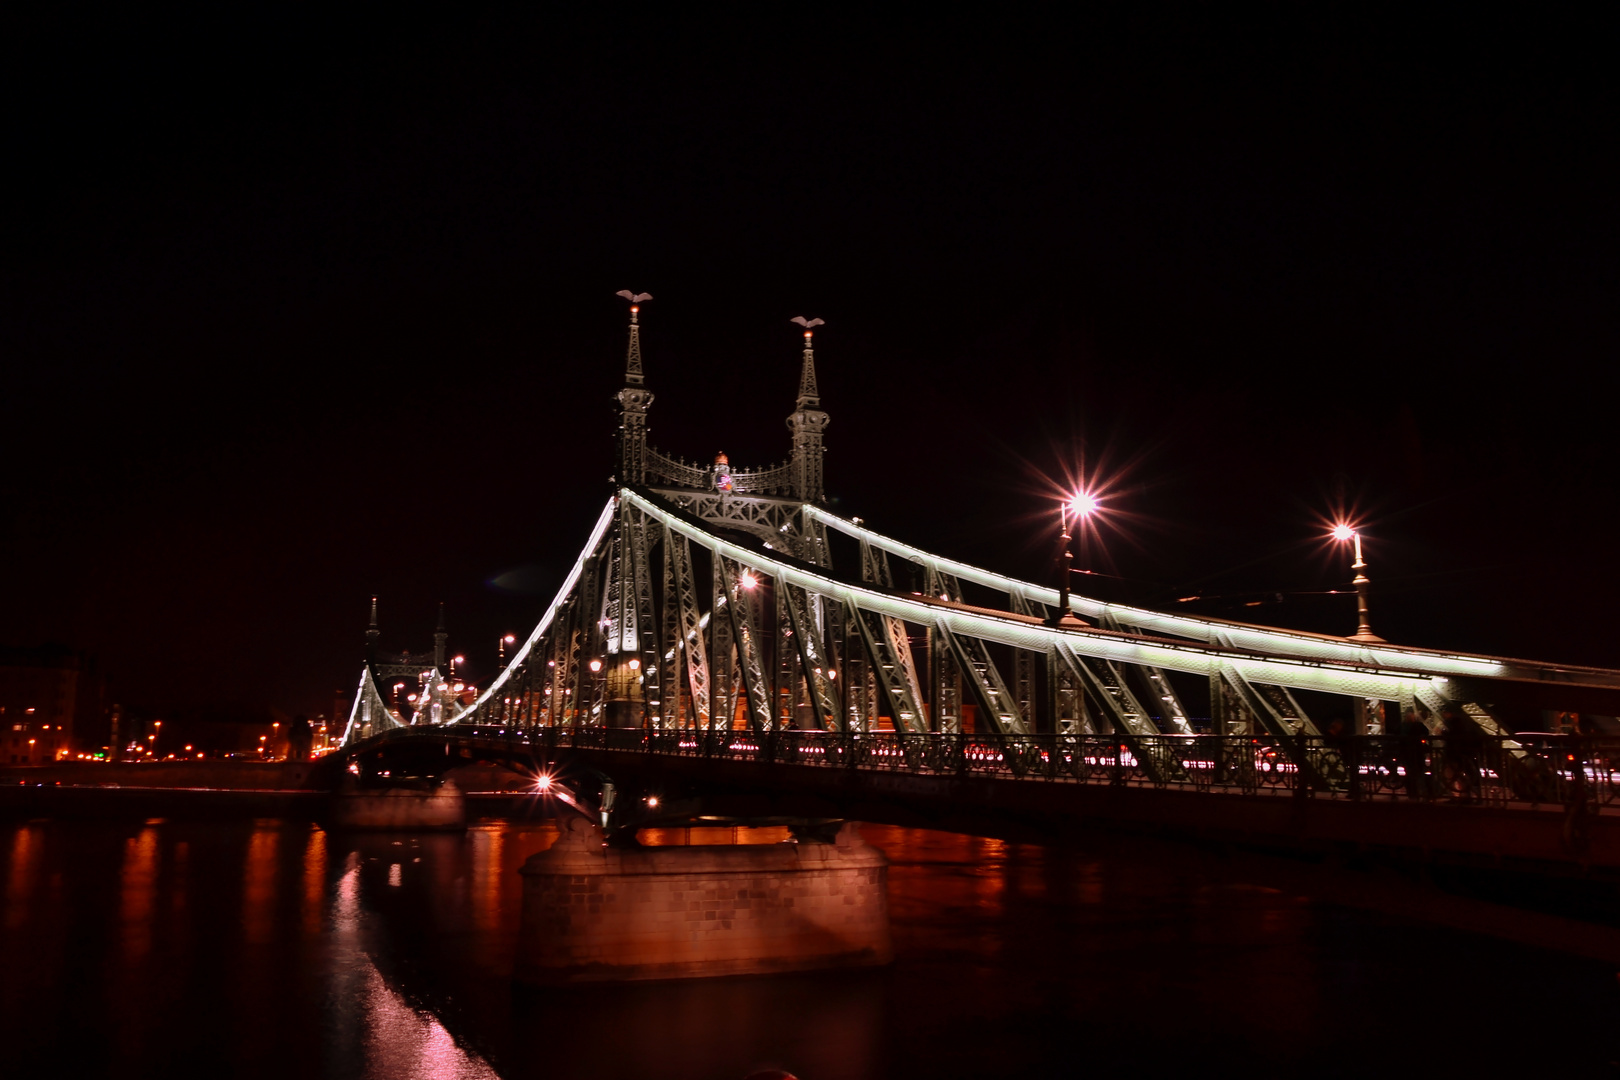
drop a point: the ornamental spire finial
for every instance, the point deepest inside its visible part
(632, 360)
(808, 395)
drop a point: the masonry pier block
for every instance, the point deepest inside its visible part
(439, 806)
(593, 913)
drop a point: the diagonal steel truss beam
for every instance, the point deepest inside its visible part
(1129, 723)
(678, 550)
(885, 639)
(1383, 674)
(1234, 635)
(984, 681)
(642, 534)
(745, 627)
(823, 699)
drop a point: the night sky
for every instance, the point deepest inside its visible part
(298, 307)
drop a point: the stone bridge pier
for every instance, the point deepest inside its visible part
(594, 912)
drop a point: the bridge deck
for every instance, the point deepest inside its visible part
(1558, 802)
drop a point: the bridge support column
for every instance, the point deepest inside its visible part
(423, 805)
(592, 913)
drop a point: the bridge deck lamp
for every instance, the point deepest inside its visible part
(1080, 506)
(1343, 533)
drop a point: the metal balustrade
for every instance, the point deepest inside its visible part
(1500, 772)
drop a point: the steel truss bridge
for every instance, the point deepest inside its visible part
(728, 614)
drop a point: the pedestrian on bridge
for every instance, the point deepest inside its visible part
(1414, 753)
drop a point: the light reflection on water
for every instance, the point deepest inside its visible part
(276, 949)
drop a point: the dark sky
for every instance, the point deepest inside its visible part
(297, 307)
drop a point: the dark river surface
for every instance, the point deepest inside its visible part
(276, 949)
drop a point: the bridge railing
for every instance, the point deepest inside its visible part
(1556, 770)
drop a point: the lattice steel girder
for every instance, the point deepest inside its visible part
(678, 550)
(888, 647)
(1288, 709)
(1109, 689)
(875, 566)
(1442, 692)
(974, 662)
(1065, 700)
(1327, 769)
(770, 518)
(1352, 668)
(618, 618)
(1242, 637)
(370, 713)
(761, 715)
(812, 539)
(669, 631)
(823, 700)
(1193, 657)
(642, 534)
(1259, 705)
(1159, 683)
(1127, 727)
(722, 664)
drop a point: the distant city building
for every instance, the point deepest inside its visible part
(50, 705)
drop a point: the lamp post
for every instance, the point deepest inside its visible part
(1342, 533)
(1082, 505)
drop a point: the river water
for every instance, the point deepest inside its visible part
(276, 949)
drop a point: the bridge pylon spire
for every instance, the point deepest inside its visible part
(441, 638)
(373, 634)
(808, 422)
(633, 400)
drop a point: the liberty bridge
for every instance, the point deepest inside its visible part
(727, 647)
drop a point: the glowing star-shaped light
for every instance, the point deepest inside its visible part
(748, 581)
(1083, 504)
(1343, 532)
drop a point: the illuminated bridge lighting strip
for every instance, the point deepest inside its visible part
(1339, 677)
(354, 711)
(1233, 634)
(602, 524)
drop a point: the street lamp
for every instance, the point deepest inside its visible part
(1080, 505)
(1343, 533)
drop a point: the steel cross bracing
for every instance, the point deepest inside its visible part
(691, 648)
(879, 617)
(799, 645)
(370, 714)
(1235, 635)
(833, 641)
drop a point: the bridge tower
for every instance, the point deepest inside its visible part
(373, 635)
(633, 402)
(807, 423)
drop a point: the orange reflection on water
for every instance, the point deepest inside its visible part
(27, 846)
(259, 883)
(138, 888)
(714, 834)
(486, 875)
(314, 879)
